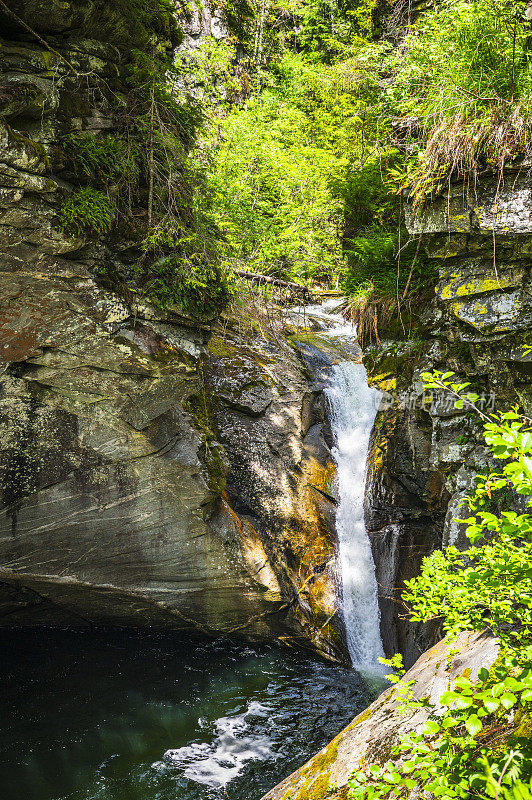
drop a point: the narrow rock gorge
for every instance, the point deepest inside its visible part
(231, 249)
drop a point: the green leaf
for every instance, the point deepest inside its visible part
(491, 704)
(449, 722)
(508, 699)
(449, 697)
(431, 727)
(473, 725)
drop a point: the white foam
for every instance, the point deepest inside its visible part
(217, 763)
(353, 406)
(326, 315)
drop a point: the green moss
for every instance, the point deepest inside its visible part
(387, 366)
(361, 718)
(199, 406)
(184, 281)
(73, 104)
(315, 785)
(167, 355)
(220, 348)
(462, 351)
(48, 58)
(240, 355)
(523, 721)
(17, 93)
(216, 464)
(37, 148)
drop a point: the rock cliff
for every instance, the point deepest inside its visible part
(119, 429)
(426, 452)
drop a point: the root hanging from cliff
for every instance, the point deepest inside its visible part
(369, 314)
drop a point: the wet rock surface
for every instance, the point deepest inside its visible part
(281, 477)
(426, 452)
(373, 733)
(406, 503)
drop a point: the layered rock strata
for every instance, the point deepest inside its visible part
(117, 429)
(426, 452)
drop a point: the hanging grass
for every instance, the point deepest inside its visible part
(463, 75)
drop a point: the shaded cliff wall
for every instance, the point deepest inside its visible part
(405, 510)
(425, 452)
(112, 467)
(270, 418)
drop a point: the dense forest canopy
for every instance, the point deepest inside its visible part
(287, 146)
(319, 117)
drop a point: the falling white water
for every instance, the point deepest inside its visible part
(353, 406)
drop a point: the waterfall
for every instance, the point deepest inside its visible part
(352, 409)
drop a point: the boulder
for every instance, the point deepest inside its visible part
(372, 735)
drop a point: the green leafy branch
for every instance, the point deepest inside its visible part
(475, 743)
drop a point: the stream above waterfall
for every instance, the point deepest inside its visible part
(126, 716)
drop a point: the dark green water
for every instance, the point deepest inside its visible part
(123, 716)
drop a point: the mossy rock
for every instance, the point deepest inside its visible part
(199, 406)
(17, 97)
(315, 785)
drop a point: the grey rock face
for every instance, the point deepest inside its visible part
(406, 503)
(203, 22)
(426, 453)
(104, 478)
(485, 307)
(281, 472)
(479, 209)
(112, 470)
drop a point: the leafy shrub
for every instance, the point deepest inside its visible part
(377, 278)
(211, 72)
(86, 211)
(239, 16)
(270, 193)
(477, 744)
(198, 289)
(274, 166)
(328, 26)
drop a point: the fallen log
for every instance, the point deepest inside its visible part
(257, 278)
